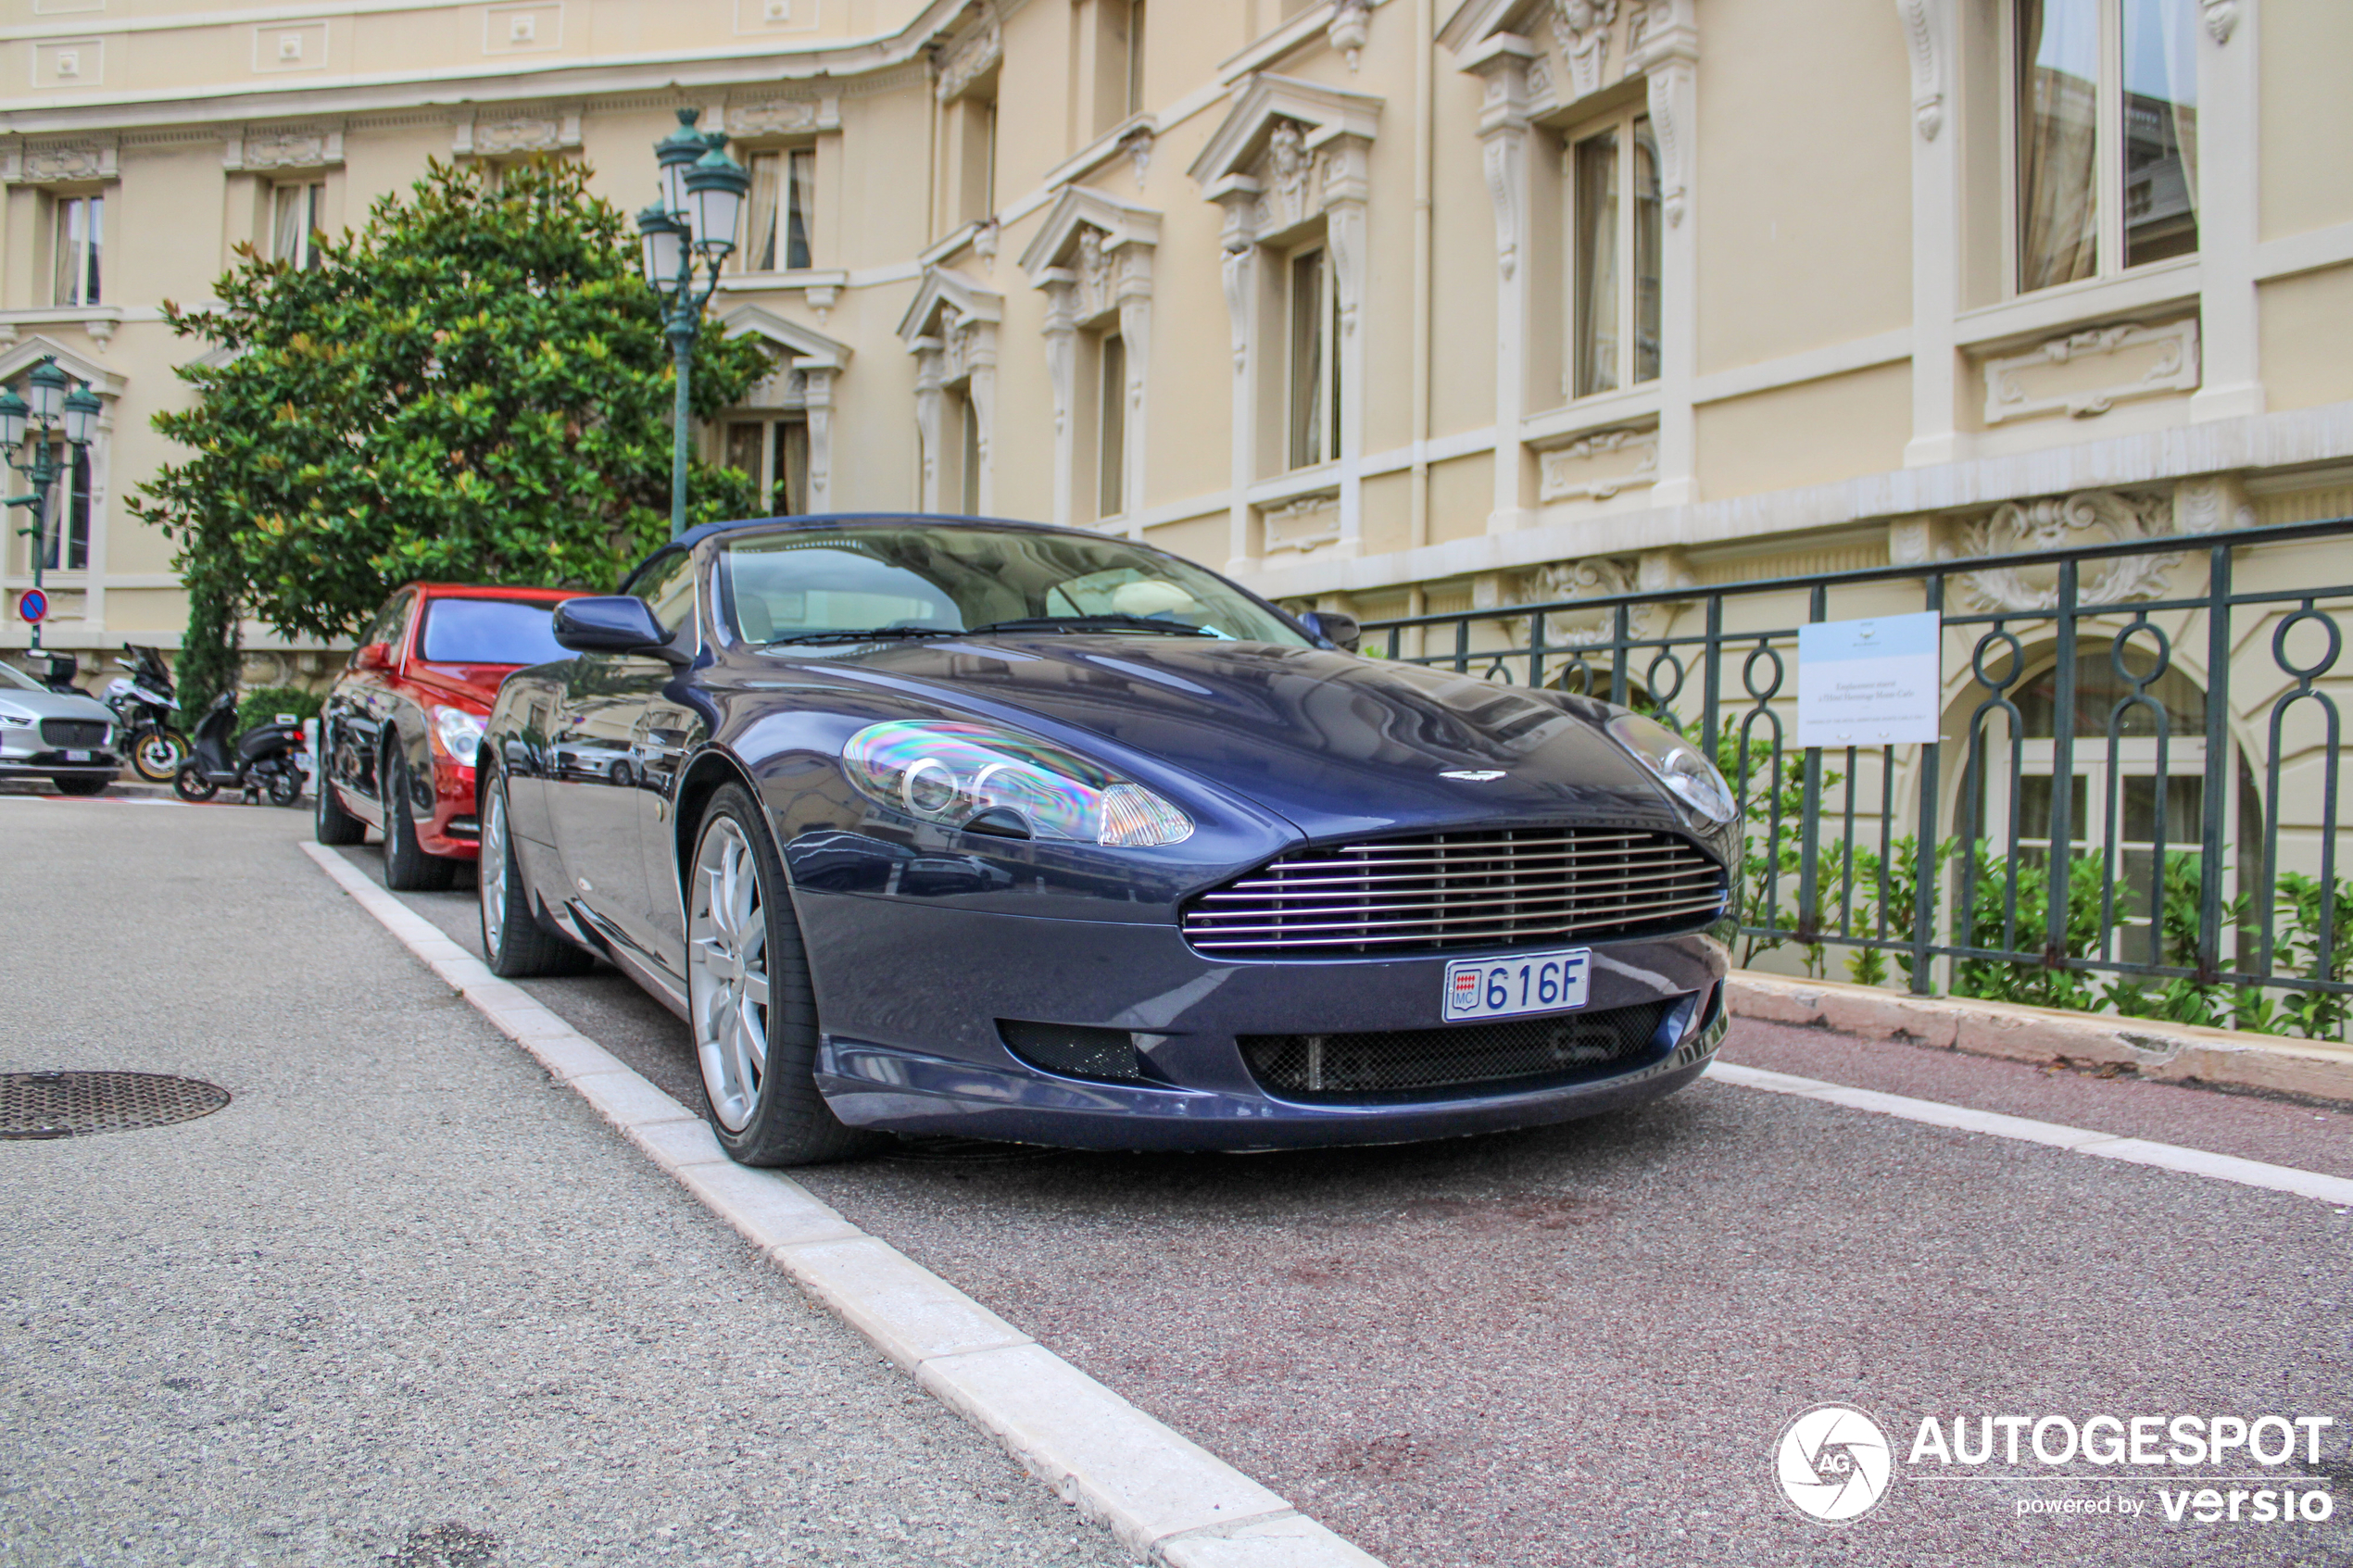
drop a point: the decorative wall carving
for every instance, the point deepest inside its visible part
(1302, 523)
(2090, 517)
(256, 151)
(57, 163)
(775, 117)
(1597, 467)
(2211, 504)
(508, 135)
(1581, 28)
(1928, 74)
(1286, 174)
(972, 57)
(1349, 28)
(1601, 578)
(1137, 146)
(2086, 373)
(1502, 158)
(2221, 16)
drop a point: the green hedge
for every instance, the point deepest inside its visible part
(263, 704)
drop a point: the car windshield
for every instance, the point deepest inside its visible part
(919, 579)
(11, 676)
(489, 631)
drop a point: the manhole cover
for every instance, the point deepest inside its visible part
(64, 1105)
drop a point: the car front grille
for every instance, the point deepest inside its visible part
(1457, 1057)
(77, 733)
(1494, 888)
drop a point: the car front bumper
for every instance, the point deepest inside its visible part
(31, 758)
(911, 993)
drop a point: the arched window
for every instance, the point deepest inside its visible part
(2159, 758)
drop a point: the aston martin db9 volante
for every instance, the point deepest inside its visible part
(936, 825)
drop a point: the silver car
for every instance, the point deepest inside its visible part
(68, 740)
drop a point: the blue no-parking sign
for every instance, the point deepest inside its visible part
(33, 606)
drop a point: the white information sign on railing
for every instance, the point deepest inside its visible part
(1869, 682)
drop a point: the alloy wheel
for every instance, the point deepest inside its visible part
(491, 876)
(157, 756)
(727, 972)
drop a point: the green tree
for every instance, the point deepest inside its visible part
(473, 387)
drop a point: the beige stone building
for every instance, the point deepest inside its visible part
(1400, 306)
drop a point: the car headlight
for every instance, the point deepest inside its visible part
(952, 773)
(1676, 763)
(458, 732)
(16, 721)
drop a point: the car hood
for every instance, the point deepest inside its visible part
(1338, 745)
(52, 704)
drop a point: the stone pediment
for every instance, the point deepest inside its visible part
(1057, 241)
(811, 349)
(1262, 103)
(29, 351)
(945, 289)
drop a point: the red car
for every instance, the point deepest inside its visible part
(405, 716)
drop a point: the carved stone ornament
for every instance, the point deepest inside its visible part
(2086, 373)
(1349, 28)
(507, 135)
(1137, 146)
(260, 150)
(58, 163)
(2090, 517)
(1287, 177)
(1597, 467)
(2221, 16)
(1601, 578)
(1302, 523)
(985, 236)
(1094, 275)
(972, 57)
(1581, 29)
(775, 117)
(1928, 76)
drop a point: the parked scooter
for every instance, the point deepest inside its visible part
(266, 758)
(146, 709)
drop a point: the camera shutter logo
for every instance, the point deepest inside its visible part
(1833, 1463)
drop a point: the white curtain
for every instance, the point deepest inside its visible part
(2059, 76)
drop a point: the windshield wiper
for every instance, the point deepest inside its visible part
(862, 634)
(1109, 622)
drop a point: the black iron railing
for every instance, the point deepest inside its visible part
(2134, 805)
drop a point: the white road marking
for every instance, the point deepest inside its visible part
(1156, 1490)
(2075, 1141)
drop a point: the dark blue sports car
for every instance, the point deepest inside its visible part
(936, 825)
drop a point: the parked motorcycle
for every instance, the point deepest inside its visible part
(267, 758)
(144, 708)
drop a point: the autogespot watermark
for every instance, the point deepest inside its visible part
(1834, 1464)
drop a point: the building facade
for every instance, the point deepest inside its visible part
(1398, 308)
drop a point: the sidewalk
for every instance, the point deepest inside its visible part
(403, 1299)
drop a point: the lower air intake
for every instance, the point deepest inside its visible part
(1457, 1057)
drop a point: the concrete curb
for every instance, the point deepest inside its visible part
(2335, 1190)
(2180, 1053)
(1157, 1492)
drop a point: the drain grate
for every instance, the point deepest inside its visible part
(65, 1105)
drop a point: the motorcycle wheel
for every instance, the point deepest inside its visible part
(157, 753)
(286, 789)
(190, 783)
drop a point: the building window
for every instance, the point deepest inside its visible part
(65, 521)
(773, 454)
(1134, 59)
(784, 205)
(1111, 444)
(81, 238)
(297, 214)
(2106, 131)
(968, 449)
(1615, 216)
(1313, 372)
(1119, 61)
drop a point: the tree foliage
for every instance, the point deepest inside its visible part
(473, 387)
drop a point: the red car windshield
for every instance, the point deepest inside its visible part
(489, 631)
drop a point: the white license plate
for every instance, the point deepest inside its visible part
(1505, 988)
(75, 756)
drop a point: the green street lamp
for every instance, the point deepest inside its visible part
(72, 411)
(690, 229)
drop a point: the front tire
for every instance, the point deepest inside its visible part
(514, 944)
(408, 869)
(750, 1006)
(157, 753)
(191, 784)
(331, 823)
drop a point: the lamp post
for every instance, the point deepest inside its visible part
(57, 404)
(694, 222)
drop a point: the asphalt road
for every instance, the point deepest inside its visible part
(403, 1301)
(1577, 1346)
